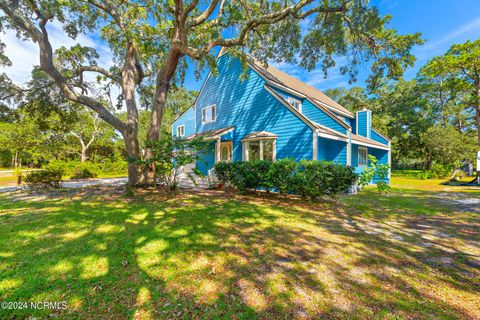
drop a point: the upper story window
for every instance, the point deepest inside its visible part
(362, 157)
(297, 104)
(181, 131)
(209, 114)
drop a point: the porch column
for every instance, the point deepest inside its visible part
(349, 148)
(217, 151)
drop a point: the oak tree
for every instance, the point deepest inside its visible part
(153, 42)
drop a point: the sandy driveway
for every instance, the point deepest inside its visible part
(72, 184)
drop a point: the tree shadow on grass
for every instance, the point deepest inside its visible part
(214, 255)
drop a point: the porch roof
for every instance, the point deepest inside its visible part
(260, 135)
(360, 140)
(211, 134)
(328, 133)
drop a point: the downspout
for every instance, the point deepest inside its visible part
(349, 147)
(315, 144)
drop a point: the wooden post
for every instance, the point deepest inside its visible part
(217, 156)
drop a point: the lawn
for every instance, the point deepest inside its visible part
(414, 254)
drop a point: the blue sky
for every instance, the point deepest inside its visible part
(441, 22)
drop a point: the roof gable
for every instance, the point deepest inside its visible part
(281, 78)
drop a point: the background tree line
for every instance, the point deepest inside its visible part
(38, 125)
(431, 119)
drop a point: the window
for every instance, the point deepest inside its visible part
(297, 104)
(259, 150)
(209, 114)
(362, 157)
(226, 151)
(253, 150)
(181, 131)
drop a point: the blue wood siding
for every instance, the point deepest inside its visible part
(207, 160)
(332, 150)
(364, 122)
(375, 136)
(319, 116)
(249, 107)
(350, 121)
(188, 120)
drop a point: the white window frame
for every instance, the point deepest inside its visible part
(293, 101)
(261, 140)
(366, 157)
(213, 107)
(183, 133)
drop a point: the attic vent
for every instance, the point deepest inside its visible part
(297, 104)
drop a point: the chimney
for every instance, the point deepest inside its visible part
(364, 122)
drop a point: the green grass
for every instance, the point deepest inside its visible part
(212, 255)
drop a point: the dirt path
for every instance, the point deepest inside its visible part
(465, 202)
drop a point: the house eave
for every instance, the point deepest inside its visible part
(369, 145)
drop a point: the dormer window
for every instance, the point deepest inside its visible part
(181, 131)
(297, 104)
(209, 114)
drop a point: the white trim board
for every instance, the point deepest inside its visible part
(369, 145)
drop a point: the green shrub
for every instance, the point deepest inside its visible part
(170, 154)
(309, 179)
(49, 177)
(114, 167)
(440, 171)
(375, 171)
(423, 175)
(84, 172)
(411, 174)
(244, 176)
(320, 178)
(281, 174)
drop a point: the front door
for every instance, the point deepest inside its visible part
(226, 151)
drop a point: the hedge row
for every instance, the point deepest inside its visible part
(307, 178)
(77, 170)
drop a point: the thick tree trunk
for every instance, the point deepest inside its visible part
(130, 134)
(135, 177)
(153, 134)
(162, 86)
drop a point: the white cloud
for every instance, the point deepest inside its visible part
(25, 54)
(316, 78)
(467, 31)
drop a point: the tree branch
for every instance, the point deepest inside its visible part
(204, 16)
(253, 23)
(115, 77)
(109, 8)
(18, 20)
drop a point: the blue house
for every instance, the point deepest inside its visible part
(271, 115)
